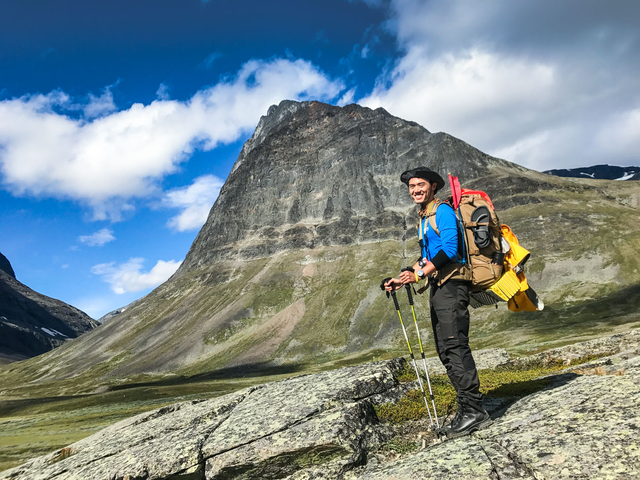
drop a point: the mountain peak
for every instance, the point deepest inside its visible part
(316, 174)
(5, 266)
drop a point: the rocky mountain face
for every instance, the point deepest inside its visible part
(6, 267)
(599, 172)
(286, 269)
(317, 175)
(31, 323)
(325, 426)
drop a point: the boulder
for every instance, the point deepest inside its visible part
(322, 422)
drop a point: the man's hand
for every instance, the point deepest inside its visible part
(392, 284)
(408, 276)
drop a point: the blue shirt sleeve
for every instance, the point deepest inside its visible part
(447, 223)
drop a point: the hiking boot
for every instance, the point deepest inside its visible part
(454, 421)
(469, 419)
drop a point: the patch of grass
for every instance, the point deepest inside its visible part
(412, 405)
(407, 374)
(504, 382)
(400, 445)
(590, 358)
(514, 383)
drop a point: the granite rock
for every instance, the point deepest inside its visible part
(269, 431)
(583, 425)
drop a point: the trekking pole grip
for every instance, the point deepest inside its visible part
(408, 287)
(395, 300)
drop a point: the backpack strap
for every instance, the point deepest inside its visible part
(431, 216)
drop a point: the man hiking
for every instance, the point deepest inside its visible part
(449, 281)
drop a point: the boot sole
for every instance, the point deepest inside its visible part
(482, 425)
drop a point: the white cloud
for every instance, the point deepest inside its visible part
(347, 98)
(474, 95)
(106, 161)
(163, 92)
(99, 106)
(98, 238)
(195, 201)
(127, 277)
(529, 80)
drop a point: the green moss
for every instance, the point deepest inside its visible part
(590, 358)
(504, 382)
(400, 445)
(407, 374)
(412, 405)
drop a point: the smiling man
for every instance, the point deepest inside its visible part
(449, 279)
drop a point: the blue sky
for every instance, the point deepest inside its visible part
(120, 120)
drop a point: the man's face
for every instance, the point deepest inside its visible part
(419, 189)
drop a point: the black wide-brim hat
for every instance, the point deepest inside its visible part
(423, 172)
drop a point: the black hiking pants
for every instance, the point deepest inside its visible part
(450, 322)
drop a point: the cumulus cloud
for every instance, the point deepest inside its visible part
(531, 81)
(473, 94)
(106, 161)
(128, 277)
(195, 201)
(98, 238)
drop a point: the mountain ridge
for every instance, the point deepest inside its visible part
(599, 172)
(32, 323)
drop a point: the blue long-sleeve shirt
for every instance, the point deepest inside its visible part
(447, 241)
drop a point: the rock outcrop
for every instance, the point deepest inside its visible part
(580, 427)
(324, 426)
(321, 423)
(32, 323)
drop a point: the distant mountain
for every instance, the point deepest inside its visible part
(599, 172)
(117, 311)
(31, 323)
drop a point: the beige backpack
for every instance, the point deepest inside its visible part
(483, 260)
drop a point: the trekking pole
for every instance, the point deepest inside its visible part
(424, 361)
(406, 337)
